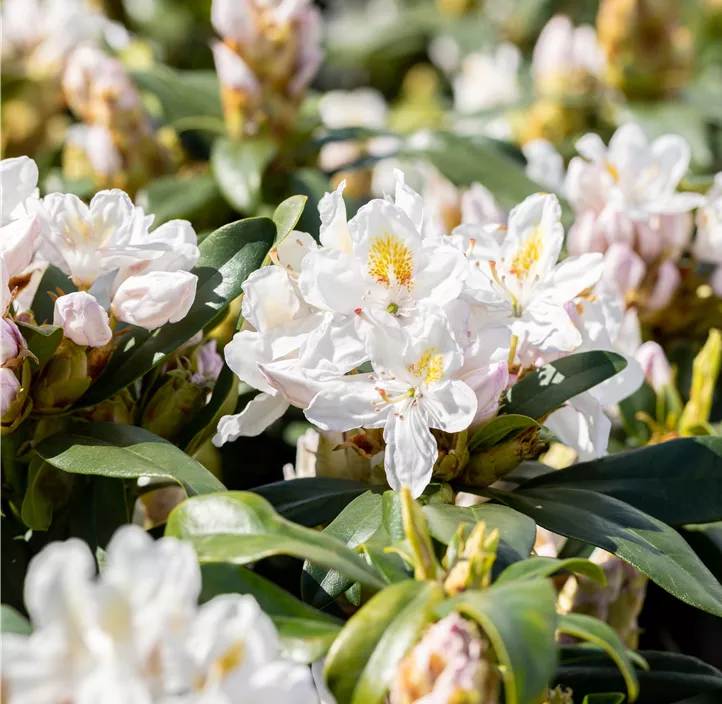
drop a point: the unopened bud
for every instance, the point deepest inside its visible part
(653, 361)
(10, 386)
(453, 455)
(83, 319)
(14, 402)
(705, 370)
(119, 408)
(64, 379)
(667, 282)
(560, 695)
(417, 533)
(13, 343)
(474, 558)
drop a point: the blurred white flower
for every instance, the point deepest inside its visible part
(83, 319)
(656, 367)
(708, 242)
(544, 164)
(96, 142)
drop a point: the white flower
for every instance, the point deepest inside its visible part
(363, 107)
(9, 387)
(657, 370)
(154, 299)
(96, 142)
(520, 281)
(83, 319)
(544, 164)
(411, 390)
(708, 242)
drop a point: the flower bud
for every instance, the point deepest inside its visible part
(654, 363)
(624, 267)
(13, 343)
(83, 319)
(154, 299)
(207, 362)
(119, 408)
(64, 379)
(14, 405)
(705, 370)
(449, 665)
(475, 557)
(10, 386)
(559, 695)
(667, 282)
(453, 455)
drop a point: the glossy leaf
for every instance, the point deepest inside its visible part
(643, 400)
(306, 634)
(12, 621)
(353, 526)
(241, 527)
(651, 546)
(540, 392)
(536, 567)
(598, 633)
(312, 501)
(37, 508)
(606, 698)
(287, 214)
(495, 431)
(124, 452)
(41, 341)
(181, 197)
(519, 618)
(53, 282)
(228, 256)
(238, 166)
(651, 479)
(363, 660)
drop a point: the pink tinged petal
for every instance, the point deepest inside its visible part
(332, 280)
(409, 200)
(243, 354)
(668, 280)
(452, 407)
(583, 426)
(411, 451)
(657, 370)
(573, 276)
(678, 203)
(488, 384)
(258, 414)
(12, 340)
(18, 242)
(233, 71)
(585, 236)
(624, 267)
(235, 19)
(586, 185)
(347, 403)
(155, 299)
(83, 319)
(715, 281)
(309, 31)
(9, 388)
(289, 253)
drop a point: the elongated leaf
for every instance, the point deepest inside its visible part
(306, 634)
(287, 214)
(228, 256)
(519, 618)
(606, 698)
(392, 519)
(124, 452)
(312, 501)
(11, 621)
(353, 526)
(43, 304)
(241, 527)
(363, 660)
(547, 388)
(494, 432)
(517, 532)
(652, 547)
(37, 508)
(652, 479)
(239, 167)
(603, 636)
(671, 677)
(41, 341)
(536, 567)
(180, 197)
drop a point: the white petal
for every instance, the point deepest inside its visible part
(293, 381)
(488, 383)
(547, 327)
(334, 346)
(258, 414)
(409, 201)
(574, 275)
(332, 280)
(347, 403)
(441, 276)
(18, 242)
(270, 299)
(244, 353)
(293, 248)
(334, 231)
(583, 426)
(452, 407)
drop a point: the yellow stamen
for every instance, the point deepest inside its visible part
(390, 261)
(528, 254)
(429, 368)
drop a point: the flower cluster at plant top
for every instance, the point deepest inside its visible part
(135, 633)
(394, 324)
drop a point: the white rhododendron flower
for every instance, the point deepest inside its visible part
(136, 634)
(83, 319)
(544, 164)
(708, 242)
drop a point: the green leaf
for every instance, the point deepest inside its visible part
(43, 305)
(228, 256)
(690, 496)
(603, 636)
(517, 532)
(124, 452)
(37, 508)
(306, 634)
(540, 392)
(11, 621)
(363, 660)
(97, 509)
(606, 698)
(287, 215)
(355, 525)
(182, 94)
(671, 677)
(41, 341)
(393, 521)
(241, 527)
(495, 431)
(651, 546)
(238, 167)
(536, 567)
(312, 501)
(519, 618)
(181, 197)
(642, 400)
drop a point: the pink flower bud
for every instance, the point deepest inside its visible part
(9, 387)
(83, 319)
(654, 362)
(154, 299)
(668, 279)
(624, 267)
(13, 342)
(208, 362)
(233, 71)
(236, 20)
(488, 383)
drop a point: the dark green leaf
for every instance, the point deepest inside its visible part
(519, 618)
(12, 621)
(643, 400)
(287, 214)
(652, 547)
(43, 305)
(124, 452)
(603, 636)
(37, 508)
(606, 698)
(312, 501)
(228, 256)
(363, 660)
(241, 527)
(355, 525)
(535, 567)
(306, 634)
(392, 519)
(678, 482)
(41, 341)
(495, 431)
(547, 388)
(181, 197)
(239, 167)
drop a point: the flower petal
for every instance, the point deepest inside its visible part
(252, 420)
